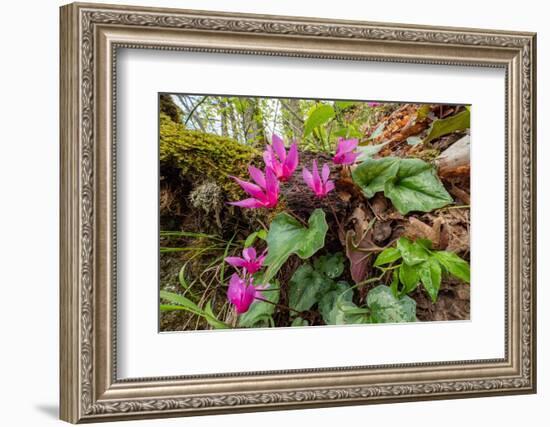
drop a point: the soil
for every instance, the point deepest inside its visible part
(347, 210)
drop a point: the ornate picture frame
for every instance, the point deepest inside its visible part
(90, 37)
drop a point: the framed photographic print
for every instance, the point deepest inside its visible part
(266, 212)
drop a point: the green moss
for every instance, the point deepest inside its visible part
(169, 107)
(202, 156)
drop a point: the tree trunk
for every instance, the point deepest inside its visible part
(224, 116)
(294, 124)
(253, 123)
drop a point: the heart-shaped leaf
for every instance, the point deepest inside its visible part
(288, 236)
(371, 175)
(386, 308)
(328, 300)
(416, 187)
(337, 307)
(306, 287)
(411, 184)
(330, 265)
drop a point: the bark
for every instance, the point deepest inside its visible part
(253, 123)
(455, 160)
(294, 123)
(224, 117)
(300, 198)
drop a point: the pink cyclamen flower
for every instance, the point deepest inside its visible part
(250, 261)
(276, 158)
(374, 104)
(241, 293)
(321, 185)
(344, 151)
(265, 193)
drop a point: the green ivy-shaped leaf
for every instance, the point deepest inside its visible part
(411, 184)
(330, 265)
(372, 175)
(385, 307)
(287, 236)
(306, 287)
(337, 307)
(416, 187)
(328, 300)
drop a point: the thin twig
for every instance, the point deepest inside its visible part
(197, 105)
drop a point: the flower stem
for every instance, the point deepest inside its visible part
(295, 216)
(329, 203)
(284, 307)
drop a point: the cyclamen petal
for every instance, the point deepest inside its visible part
(235, 261)
(345, 145)
(257, 175)
(308, 177)
(271, 188)
(349, 158)
(276, 158)
(292, 158)
(248, 203)
(321, 185)
(252, 189)
(325, 172)
(264, 195)
(262, 257)
(316, 178)
(240, 293)
(250, 262)
(249, 253)
(271, 162)
(279, 147)
(344, 151)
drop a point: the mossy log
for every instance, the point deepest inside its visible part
(201, 157)
(299, 198)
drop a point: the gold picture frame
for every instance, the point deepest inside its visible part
(90, 36)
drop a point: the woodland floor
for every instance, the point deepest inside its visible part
(448, 228)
